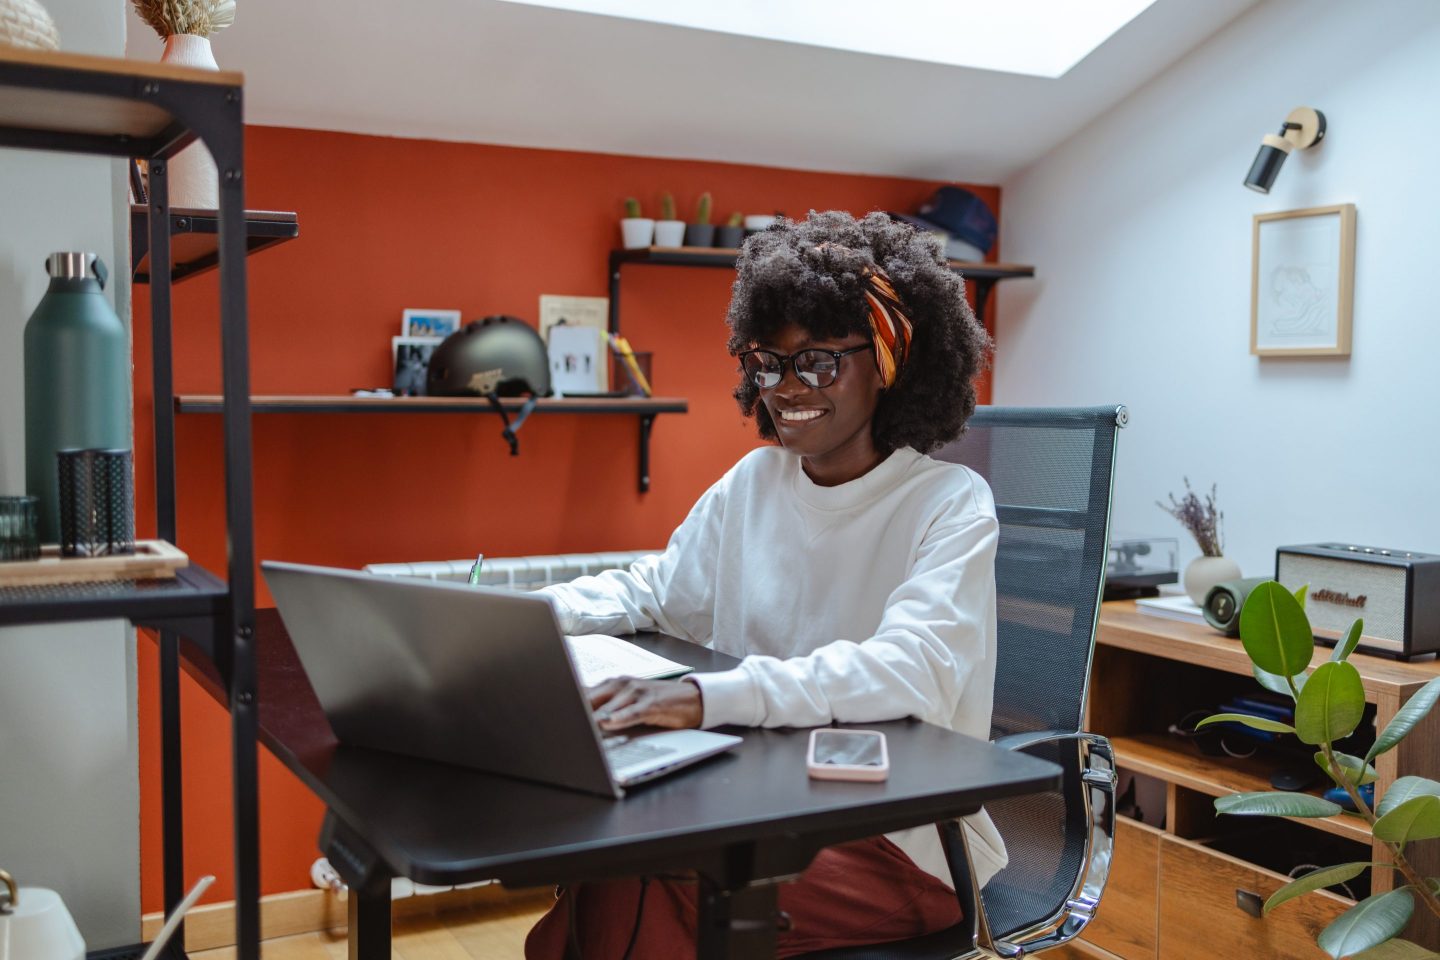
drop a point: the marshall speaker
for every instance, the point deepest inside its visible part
(1396, 592)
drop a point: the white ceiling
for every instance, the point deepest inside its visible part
(502, 73)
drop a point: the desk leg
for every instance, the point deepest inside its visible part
(736, 924)
(368, 878)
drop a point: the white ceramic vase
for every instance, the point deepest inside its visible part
(669, 233)
(193, 180)
(1204, 572)
(637, 232)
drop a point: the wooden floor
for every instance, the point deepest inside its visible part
(493, 928)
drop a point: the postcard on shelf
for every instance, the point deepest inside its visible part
(578, 360)
(1176, 607)
(429, 323)
(573, 312)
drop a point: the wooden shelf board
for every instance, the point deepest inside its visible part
(725, 257)
(1155, 755)
(634, 406)
(1124, 627)
(32, 108)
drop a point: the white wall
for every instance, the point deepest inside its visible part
(69, 781)
(1139, 229)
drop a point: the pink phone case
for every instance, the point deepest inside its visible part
(841, 771)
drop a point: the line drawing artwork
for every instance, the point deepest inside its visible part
(1299, 278)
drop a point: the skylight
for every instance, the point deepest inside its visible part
(1042, 38)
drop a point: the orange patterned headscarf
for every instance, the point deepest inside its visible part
(889, 323)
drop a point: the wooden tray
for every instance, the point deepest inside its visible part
(152, 559)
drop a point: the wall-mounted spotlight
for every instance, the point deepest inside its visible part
(1304, 128)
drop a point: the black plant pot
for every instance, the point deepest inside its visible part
(699, 235)
(729, 236)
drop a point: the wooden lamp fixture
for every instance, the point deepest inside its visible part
(1303, 128)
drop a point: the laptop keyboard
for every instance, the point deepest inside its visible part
(625, 753)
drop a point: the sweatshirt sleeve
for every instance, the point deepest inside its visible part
(672, 592)
(932, 636)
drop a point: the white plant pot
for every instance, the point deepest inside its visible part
(1204, 572)
(193, 180)
(637, 232)
(669, 233)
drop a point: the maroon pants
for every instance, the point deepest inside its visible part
(853, 894)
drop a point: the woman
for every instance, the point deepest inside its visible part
(852, 573)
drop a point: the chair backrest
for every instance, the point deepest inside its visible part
(1051, 472)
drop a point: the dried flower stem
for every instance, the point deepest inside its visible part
(169, 18)
(1202, 520)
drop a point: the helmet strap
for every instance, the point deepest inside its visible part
(509, 433)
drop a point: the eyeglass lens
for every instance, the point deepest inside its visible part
(816, 368)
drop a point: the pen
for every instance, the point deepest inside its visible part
(475, 570)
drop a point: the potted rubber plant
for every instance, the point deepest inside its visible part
(669, 232)
(1329, 706)
(636, 230)
(732, 233)
(701, 233)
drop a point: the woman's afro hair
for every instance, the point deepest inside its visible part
(810, 273)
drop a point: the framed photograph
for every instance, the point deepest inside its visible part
(1302, 282)
(429, 323)
(578, 360)
(410, 359)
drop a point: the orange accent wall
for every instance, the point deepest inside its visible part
(387, 224)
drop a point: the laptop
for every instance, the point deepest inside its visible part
(463, 674)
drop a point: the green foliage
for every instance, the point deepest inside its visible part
(1357, 772)
(1344, 648)
(1275, 631)
(1403, 789)
(1415, 819)
(1317, 879)
(1369, 923)
(1277, 804)
(736, 220)
(702, 208)
(632, 208)
(667, 206)
(1331, 705)
(1259, 723)
(1406, 717)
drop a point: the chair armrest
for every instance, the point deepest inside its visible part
(1097, 794)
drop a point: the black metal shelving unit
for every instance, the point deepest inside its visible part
(983, 275)
(120, 108)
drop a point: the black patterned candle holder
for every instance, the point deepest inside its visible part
(97, 503)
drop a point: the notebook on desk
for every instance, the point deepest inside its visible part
(468, 675)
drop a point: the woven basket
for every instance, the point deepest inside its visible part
(24, 23)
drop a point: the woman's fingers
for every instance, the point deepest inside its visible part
(658, 703)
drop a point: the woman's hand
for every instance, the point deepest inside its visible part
(627, 702)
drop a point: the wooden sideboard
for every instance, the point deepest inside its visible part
(1184, 881)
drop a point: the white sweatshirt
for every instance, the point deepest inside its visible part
(872, 600)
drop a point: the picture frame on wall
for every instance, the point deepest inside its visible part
(429, 323)
(1302, 282)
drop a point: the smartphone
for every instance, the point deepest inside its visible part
(848, 755)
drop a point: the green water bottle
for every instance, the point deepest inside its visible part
(77, 377)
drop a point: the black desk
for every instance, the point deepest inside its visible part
(749, 815)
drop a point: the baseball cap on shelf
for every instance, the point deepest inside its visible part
(965, 221)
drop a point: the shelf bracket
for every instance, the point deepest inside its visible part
(647, 422)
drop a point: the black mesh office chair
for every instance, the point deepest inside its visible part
(1051, 473)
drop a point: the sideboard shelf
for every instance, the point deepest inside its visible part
(984, 275)
(645, 408)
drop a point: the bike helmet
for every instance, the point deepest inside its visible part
(498, 355)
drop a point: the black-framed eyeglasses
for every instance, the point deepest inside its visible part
(813, 367)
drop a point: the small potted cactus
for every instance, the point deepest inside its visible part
(701, 233)
(635, 230)
(669, 232)
(732, 234)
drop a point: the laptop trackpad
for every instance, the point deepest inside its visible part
(636, 759)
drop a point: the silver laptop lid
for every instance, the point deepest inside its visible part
(448, 671)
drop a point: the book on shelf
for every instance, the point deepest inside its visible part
(1177, 607)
